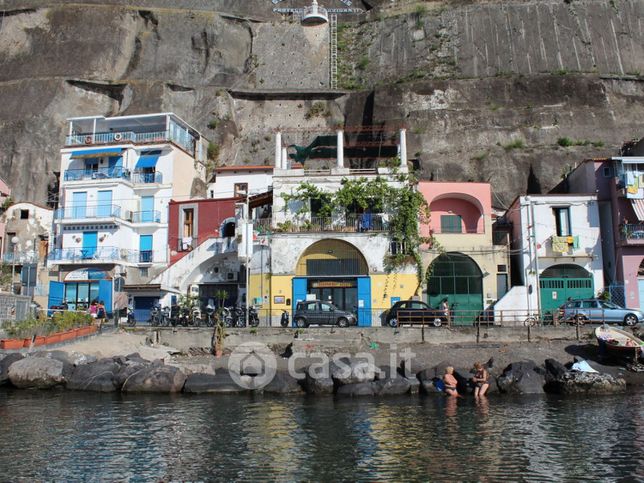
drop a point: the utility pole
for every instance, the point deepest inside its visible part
(249, 252)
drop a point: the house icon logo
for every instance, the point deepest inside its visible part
(252, 365)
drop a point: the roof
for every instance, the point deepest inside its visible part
(249, 167)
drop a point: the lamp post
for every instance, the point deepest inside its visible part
(14, 242)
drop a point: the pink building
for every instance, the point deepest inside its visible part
(465, 266)
(5, 192)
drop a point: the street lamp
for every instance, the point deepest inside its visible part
(14, 242)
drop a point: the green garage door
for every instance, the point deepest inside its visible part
(560, 282)
(458, 278)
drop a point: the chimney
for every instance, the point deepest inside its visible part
(278, 150)
(403, 148)
(284, 158)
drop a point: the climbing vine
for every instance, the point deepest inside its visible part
(404, 206)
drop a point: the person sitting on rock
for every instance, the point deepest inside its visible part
(450, 382)
(481, 380)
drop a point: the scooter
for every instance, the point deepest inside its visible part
(131, 320)
(284, 320)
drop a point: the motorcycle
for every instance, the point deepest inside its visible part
(253, 318)
(155, 316)
(131, 320)
(195, 317)
(210, 316)
(284, 319)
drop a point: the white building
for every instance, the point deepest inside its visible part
(556, 252)
(234, 181)
(117, 176)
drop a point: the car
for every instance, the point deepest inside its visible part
(598, 310)
(414, 311)
(315, 312)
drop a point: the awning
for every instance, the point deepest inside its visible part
(147, 161)
(638, 206)
(92, 153)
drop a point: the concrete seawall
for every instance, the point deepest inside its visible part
(360, 338)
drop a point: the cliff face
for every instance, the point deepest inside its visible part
(484, 89)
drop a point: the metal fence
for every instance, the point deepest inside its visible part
(14, 308)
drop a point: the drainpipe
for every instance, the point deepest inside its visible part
(403, 148)
(278, 150)
(94, 132)
(526, 269)
(284, 158)
(536, 258)
(340, 148)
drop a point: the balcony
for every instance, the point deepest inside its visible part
(100, 255)
(139, 177)
(563, 246)
(99, 174)
(90, 212)
(353, 223)
(121, 137)
(20, 258)
(146, 217)
(632, 233)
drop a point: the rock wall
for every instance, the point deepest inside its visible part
(485, 89)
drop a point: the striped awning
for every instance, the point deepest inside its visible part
(638, 206)
(97, 152)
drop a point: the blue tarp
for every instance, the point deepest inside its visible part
(84, 153)
(147, 161)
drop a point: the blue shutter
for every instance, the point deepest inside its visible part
(105, 294)
(104, 208)
(79, 204)
(299, 294)
(147, 209)
(90, 240)
(364, 299)
(145, 248)
(56, 294)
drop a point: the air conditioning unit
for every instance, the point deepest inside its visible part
(232, 276)
(127, 214)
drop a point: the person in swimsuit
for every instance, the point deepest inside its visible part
(481, 380)
(450, 382)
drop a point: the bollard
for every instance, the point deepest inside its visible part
(478, 331)
(529, 332)
(422, 332)
(577, 329)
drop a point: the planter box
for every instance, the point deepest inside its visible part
(83, 331)
(53, 338)
(26, 342)
(12, 343)
(40, 340)
(69, 335)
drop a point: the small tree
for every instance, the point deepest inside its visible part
(220, 325)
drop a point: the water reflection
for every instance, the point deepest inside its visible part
(73, 436)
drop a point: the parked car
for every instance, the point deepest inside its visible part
(314, 312)
(414, 312)
(597, 310)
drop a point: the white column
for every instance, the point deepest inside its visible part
(278, 150)
(284, 158)
(94, 132)
(403, 148)
(340, 148)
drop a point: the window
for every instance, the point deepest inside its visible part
(501, 268)
(325, 307)
(562, 221)
(24, 214)
(311, 306)
(418, 305)
(608, 172)
(188, 222)
(241, 189)
(451, 224)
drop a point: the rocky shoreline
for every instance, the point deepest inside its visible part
(341, 376)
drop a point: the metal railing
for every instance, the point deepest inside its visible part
(632, 232)
(96, 174)
(151, 216)
(87, 212)
(88, 138)
(21, 258)
(101, 254)
(139, 177)
(353, 223)
(465, 230)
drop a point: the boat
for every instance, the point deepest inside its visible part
(619, 341)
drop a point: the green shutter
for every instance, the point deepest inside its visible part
(451, 224)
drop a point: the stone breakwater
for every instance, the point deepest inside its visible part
(340, 376)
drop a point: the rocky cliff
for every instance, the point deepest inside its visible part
(485, 89)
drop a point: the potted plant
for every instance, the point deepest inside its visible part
(11, 344)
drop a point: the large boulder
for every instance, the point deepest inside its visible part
(392, 386)
(317, 382)
(155, 378)
(221, 383)
(5, 364)
(129, 367)
(38, 373)
(576, 382)
(283, 383)
(353, 371)
(99, 376)
(522, 378)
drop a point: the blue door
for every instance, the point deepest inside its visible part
(147, 209)
(90, 240)
(104, 208)
(364, 302)
(142, 307)
(56, 294)
(105, 294)
(115, 166)
(299, 294)
(145, 248)
(79, 204)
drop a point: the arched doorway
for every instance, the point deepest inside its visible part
(563, 281)
(458, 278)
(335, 271)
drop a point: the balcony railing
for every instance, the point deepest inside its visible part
(632, 232)
(88, 138)
(100, 254)
(88, 212)
(455, 231)
(354, 223)
(101, 173)
(19, 258)
(139, 177)
(146, 217)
